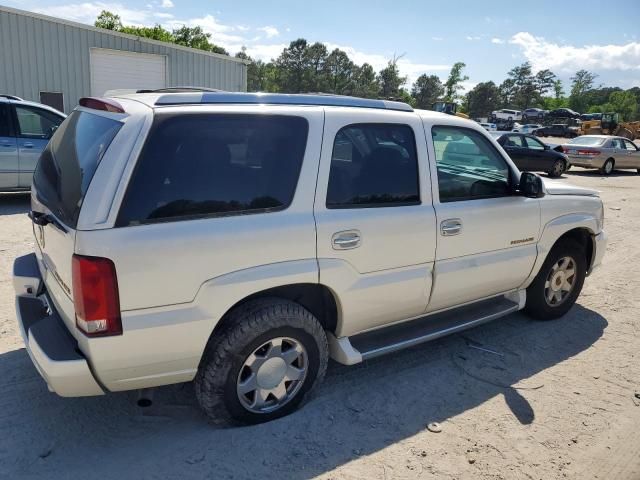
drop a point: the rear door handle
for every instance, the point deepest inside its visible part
(346, 240)
(27, 145)
(451, 226)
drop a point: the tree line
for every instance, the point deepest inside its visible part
(304, 67)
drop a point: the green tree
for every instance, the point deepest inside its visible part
(453, 84)
(339, 72)
(544, 82)
(195, 37)
(155, 33)
(365, 82)
(390, 80)
(507, 90)
(525, 92)
(582, 82)
(292, 66)
(623, 102)
(426, 90)
(315, 78)
(483, 99)
(108, 20)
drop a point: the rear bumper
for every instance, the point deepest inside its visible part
(52, 349)
(599, 246)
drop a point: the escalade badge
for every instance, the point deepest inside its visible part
(522, 240)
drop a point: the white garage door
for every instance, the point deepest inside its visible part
(116, 69)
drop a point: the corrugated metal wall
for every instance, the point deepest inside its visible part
(38, 54)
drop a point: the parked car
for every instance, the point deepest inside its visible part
(25, 129)
(603, 152)
(530, 154)
(563, 113)
(240, 240)
(527, 128)
(489, 127)
(533, 114)
(556, 130)
(506, 114)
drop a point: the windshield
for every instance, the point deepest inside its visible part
(587, 141)
(69, 161)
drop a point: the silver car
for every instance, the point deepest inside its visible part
(25, 129)
(603, 152)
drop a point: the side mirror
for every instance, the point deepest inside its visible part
(531, 185)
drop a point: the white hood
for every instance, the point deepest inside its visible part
(561, 188)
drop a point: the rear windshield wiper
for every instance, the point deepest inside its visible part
(43, 219)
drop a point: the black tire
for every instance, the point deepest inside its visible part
(537, 306)
(246, 328)
(557, 169)
(607, 167)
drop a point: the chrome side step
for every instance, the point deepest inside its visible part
(351, 350)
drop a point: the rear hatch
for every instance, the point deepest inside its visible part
(60, 182)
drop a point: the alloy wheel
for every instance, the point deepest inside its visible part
(272, 375)
(560, 281)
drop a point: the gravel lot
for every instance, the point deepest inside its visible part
(557, 401)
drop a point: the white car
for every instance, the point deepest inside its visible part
(240, 240)
(489, 127)
(526, 128)
(507, 114)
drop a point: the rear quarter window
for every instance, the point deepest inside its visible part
(69, 161)
(203, 165)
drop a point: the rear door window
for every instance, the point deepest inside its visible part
(206, 165)
(373, 165)
(36, 122)
(5, 121)
(67, 165)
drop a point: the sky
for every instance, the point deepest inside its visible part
(428, 36)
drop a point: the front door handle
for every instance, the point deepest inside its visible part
(452, 226)
(346, 240)
(27, 145)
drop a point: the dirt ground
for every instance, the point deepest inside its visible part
(556, 401)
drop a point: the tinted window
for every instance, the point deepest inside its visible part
(5, 121)
(373, 165)
(534, 144)
(36, 123)
(468, 165)
(514, 141)
(215, 164)
(67, 165)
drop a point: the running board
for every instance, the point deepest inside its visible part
(351, 350)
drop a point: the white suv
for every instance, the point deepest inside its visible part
(240, 240)
(507, 114)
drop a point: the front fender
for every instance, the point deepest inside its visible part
(553, 230)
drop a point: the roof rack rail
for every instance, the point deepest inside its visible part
(280, 99)
(178, 90)
(10, 97)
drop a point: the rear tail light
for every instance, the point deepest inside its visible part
(588, 152)
(104, 104)
(95, 296)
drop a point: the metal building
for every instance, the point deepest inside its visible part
(55, 61)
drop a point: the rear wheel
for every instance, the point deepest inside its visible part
(607, 168)
(263, 365)
(558, 283)
(557, 169)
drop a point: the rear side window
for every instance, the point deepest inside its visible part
(36, 122)
(69, 161)
(5, 121)
(196, 165)
(373, 165)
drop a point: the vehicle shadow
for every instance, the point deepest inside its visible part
(357, 411)
(14, 203)
(596, 173)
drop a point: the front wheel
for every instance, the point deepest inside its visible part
(263, 364)
(558, 283)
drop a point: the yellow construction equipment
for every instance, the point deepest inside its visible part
(449, 107)
(610, 125)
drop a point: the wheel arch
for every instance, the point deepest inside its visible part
(578, 227)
